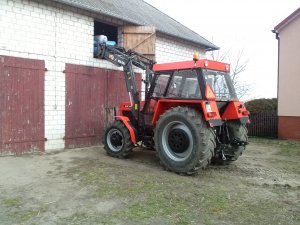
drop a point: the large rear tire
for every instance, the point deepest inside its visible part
(117, 142)
(183, 141)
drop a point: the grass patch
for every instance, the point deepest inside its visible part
(286, 147)
(12, 202)
(26, 215)
(288, 167)
(163, 204)
(15, 210)
(176, 207)
(261, 212)
(79, 218)
(119, 184)
(149, 197)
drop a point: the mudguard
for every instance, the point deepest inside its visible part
(236, 110)
(128, 125)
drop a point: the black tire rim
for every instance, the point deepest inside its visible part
(115, 140)
(177, 141)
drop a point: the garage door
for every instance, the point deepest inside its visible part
(21, 105)
(85, 90)
(91, 95)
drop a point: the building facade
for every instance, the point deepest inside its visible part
(54, 94)
(288, 35)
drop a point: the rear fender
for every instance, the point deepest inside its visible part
(209, 109)
(128, 125)
(236, 110)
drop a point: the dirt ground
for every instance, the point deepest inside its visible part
(84, 186)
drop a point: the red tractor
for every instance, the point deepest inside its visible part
(191, 115)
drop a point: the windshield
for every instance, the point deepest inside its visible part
(221, 84)
(180, 84)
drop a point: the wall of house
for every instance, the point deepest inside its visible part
(58, 35)
(170, 50)
(289, 80)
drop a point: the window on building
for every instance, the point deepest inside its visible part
(105, 29)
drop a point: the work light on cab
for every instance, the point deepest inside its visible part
(196, 56)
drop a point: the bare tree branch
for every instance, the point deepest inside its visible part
(238, 66)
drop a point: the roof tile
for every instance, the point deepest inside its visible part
(140, 12)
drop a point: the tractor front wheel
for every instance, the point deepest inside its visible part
(183, 141)
(117, 142)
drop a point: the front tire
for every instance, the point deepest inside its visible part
(117, 142)
(183, 141)
(236, 132)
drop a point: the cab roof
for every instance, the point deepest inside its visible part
(202, 63)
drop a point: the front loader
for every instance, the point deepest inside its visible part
(191, 115)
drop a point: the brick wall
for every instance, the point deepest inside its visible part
(58, 34)
(170, 50)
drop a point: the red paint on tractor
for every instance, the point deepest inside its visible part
(235, 110)
(165, 104)
(126, 122)
(202, 63)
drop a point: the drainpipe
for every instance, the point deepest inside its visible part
(278, 39)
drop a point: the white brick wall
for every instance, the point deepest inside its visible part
(60, 34)
(170, 50)
(57, 35)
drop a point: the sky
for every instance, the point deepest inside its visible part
(238, 26)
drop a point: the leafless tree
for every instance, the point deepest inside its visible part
(238, 65)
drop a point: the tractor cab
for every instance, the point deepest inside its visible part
(201, 84)
(191, 84)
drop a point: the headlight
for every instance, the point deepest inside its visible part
(208, 107)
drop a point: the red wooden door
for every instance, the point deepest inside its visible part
(91, 95)
(85, 105)
(21, 105)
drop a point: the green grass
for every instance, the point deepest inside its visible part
(80, 218)
(28, 214)
(117, 184)
(15, 210)
(286, 147)
(176, 207)
(12, 202)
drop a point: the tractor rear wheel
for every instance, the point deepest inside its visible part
(117, 142)
(183, 141)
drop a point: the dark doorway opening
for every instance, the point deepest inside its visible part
(105, 29)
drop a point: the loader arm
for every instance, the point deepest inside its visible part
(127, 59)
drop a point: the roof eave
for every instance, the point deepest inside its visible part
(287, 20)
